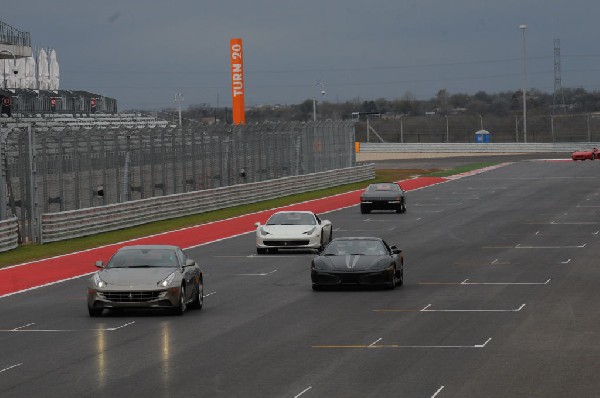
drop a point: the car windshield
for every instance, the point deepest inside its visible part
(292, 219)
(143, 258)
(383, 187)
(361, 247)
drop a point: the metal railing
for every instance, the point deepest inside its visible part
(462, 128)
(9, 234)
(78, 223)
(10, 35)
(50, 170)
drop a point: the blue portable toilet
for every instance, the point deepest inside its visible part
(482, 136)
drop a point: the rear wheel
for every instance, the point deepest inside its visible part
(199, 298)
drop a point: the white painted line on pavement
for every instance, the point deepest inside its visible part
(46, 284)
(437, 392)
(260, 274)
(17, 330)
(375, 342)
(402, 346)
(550, 247)
(10, 367)
(426, 309)
(566, 262)
(209, 294)
(24, 326)
(504, 283)
(302, 392)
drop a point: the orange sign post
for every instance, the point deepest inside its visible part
(237, 81)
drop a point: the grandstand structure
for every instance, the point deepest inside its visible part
(33, 100)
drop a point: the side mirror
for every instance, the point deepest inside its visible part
(189, 262)
(396, 251)
(257, 224)
(100, 264)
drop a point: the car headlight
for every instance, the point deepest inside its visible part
(98, 282)
(310, 231)
(382, 265)
(167, 281)
(264, 232)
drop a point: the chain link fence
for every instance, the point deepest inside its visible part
(49, 170)
(462, 128)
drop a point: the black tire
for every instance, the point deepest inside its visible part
(182, 306)
(316, 287)
(95, 312)
(400, 280)
(364, 209)
(199, 297)
(403, 207)
(261, 250)
(391, 284)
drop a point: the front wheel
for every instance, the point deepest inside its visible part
(391, 284)
(400, 278)
(181, 306)
(316, 288)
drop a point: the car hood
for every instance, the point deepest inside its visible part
(135, 276)
(352, 262)
(287, 230)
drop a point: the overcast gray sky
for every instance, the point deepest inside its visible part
(143, 52)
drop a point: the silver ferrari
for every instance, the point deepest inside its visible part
(150, 276)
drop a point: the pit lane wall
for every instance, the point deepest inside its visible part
(94, 220)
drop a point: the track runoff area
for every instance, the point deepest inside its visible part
(499, 300)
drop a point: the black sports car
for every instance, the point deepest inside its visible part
(383, 196)
(358, 261)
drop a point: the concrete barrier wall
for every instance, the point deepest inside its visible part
(89, 221)
(9, 235)
(558, 147)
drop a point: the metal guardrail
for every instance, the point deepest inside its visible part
(9, 234)
(83, 222)
(564, 147)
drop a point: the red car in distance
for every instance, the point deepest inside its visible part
(583, 155)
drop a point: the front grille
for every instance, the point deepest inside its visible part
(131, 297)
(285, 242)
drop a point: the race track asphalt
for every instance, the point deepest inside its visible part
(499, 300)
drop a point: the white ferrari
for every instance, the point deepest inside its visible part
(292, 230)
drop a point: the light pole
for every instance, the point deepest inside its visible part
(315, 99)
(179, 99)
(523, 80)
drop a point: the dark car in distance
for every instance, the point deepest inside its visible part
(383, 196)
(146, 276)
(365, 261)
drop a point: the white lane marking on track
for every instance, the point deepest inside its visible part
(209, 294)
(10, 367)
(46, 284)
(566, 262)
(403, 346)
(24, 326)
(305, 390)
(259, 274)
(426, 309)
(16, 330)
(487, 341)
(437, 392)
(550, 247)
(375, 342)
(505, 283)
